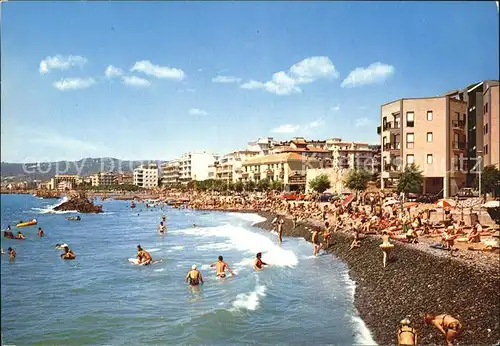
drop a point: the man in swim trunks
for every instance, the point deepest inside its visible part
(327, 233)
(258, 262)
(316, 243)
(221, 267)
(12, 253)
(446, 324)
(144, 258)
(194, 276)
(407, 336)
(40, 232)
(68, 254)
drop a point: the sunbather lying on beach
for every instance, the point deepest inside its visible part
(407, 336)
(449, 326)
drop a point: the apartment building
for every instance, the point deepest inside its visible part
(230, 166)
(474, 94)
(309, 149)
(429, 132)
(262, 145)
(491, 130)
(195, 166)
(103, 179)
(288, 168)
(171, 172)
(59, 178)
(124, 178)
(353, 155)
(146, 176)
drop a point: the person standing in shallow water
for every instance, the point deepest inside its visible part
(316, 243)
(407, 336)
(449, 326)
(258, 262)
(220, 267)
(280, 230)
(194, 276)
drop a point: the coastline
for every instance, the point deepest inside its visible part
(414, 283)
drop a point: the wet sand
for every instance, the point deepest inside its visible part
(414, 283)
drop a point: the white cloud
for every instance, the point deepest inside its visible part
(197, 111)
(134, 81)
(60, 62)
(112, 71)
(287, 128)
(362, 122)
(316, 123)
(226, 79)
(74, 83)
(335, 108)
(375, 73)
(145, 66)
(303, 72)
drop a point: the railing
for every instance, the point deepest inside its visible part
(391, 125)
(458, 145)
(391, 146)
(458, 124)
(391, 168)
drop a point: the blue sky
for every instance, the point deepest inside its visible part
(213, 76)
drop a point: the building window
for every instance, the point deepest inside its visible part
(410, 119)
(410, 137)
(486, 149)
(486, 129)
(429, 136)
(429, 115)
(410, 159)
(486, 108)
(430, 159)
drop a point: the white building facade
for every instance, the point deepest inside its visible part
(196, 166)
(171, 172)
(146, 176)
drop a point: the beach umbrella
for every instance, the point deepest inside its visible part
(410, 204)
(491, 204)
(446, 203)
(391, 202)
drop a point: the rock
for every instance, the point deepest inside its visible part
(48, 194)
(80, 203)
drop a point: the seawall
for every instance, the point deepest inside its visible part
(414, 283)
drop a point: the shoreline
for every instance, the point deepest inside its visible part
(414, 283)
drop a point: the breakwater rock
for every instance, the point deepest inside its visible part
(414, 283)
(49, 194)
(80, 203)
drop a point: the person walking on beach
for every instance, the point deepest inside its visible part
(449, 326)
(220, 267)
(407, 336)
(280, 230)
(258, 262)
(386, 247)
(194, 276)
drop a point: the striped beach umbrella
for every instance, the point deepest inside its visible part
(446, 203)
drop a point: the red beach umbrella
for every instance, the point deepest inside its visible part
(446, 203)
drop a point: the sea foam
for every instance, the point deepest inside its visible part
(253, 218)
(251, 300)
(49, 209)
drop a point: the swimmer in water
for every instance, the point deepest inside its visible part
(68, 254)
(195, 225)
(20, 236)
(258, 262)
(144, 258)
(12, 253)
(221, 267)
(194, 276)
(40, 232)
(161, 228)
(164, 218)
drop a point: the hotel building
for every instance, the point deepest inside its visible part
(146, 176)
(429, 132)
(353, 155)
(262, 145)
(288, 168)
(309, 149)
(103, 178)
(171, 173)
(195, 166)
(230, 167)
(59, 178)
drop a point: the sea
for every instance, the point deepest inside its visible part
(101, 298)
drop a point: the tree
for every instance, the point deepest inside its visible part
(410, 180)
(276, 185)
(490, 180)
(238, 186)
(250, 185)
(263, 185)
(320, 183)
(357, 180)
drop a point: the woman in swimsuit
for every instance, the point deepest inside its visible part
(386, 247)
(407, 336)
(194, 276)
(446, 324)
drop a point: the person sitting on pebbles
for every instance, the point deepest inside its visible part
(474, 235)
(407, 336)
(356, 243)
(448, 325)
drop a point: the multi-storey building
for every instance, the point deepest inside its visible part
(288, 168)
(146, 176)
(491, 131)
(103, 179)
(195, 166)
(171, 173)
(353, 155)
(73, 179)
(262, 145)
(429, 132)
(474, 95)
(310, 149)
(124, 178)
(230, 166)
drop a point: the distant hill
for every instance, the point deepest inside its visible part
(87, 166)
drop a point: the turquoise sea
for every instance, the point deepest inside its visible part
(102, 299)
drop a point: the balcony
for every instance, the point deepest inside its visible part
(458, 125)
(392, 126)
(379, 130)
(458, 145)
(392, 146)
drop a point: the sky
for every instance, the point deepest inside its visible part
(139, 80)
